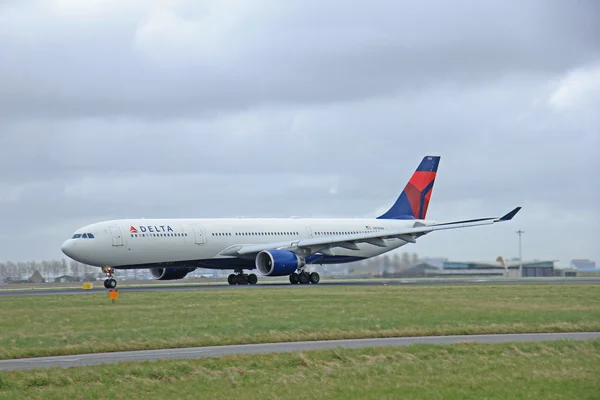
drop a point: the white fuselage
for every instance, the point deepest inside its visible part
(142, 243)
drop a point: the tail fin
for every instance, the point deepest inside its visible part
(414, 200)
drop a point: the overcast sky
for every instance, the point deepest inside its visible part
(113, 109)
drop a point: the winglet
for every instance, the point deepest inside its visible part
(510, 215)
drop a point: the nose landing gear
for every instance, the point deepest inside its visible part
(109, 282)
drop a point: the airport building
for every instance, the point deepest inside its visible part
(499, 268)
(584, 266)
(536, 268)
(580, 267)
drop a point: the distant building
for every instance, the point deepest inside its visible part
(36, 278)
(535, 268)
(437, 262)
(420, 270)
(66, 278)
(584, 265)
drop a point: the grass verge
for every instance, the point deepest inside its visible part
(72, 324)
(549, 370)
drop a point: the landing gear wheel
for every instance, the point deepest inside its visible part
(242, 279)
(294, 278)
(110, 283)
(232, 279)
(252, 279)
(304, 278)
(314, 278)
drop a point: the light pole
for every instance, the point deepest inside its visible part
(520, 233)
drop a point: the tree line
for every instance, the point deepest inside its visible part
(22, 270)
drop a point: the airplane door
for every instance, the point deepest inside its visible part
(309, 232)
(117, 236)
(198, 234)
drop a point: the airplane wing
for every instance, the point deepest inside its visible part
(308, 247)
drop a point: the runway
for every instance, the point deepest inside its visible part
(266, 284)
(216, 351)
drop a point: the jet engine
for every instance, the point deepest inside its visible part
(171, 273)
(278, 262)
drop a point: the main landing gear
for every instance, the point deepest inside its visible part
(304, 278)
(239, 278)
(109, 282)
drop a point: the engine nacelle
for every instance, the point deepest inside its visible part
(278, 262)
(171, 273)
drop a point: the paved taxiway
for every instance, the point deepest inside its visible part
(216, 351)
(378, 282)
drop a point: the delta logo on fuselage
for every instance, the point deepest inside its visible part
(151, 229)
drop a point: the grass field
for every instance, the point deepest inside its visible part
(71, 324)
(550, 370)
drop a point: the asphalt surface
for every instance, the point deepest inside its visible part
(216, 351)
(378, 282)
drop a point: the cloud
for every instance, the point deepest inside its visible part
(580, 88)
(177, 58)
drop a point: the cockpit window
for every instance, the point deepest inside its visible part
(83, 236)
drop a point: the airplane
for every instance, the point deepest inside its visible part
(275, 247)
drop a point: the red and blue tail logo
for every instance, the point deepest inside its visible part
(414, 200)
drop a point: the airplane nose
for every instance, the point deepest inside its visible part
(68, 248)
